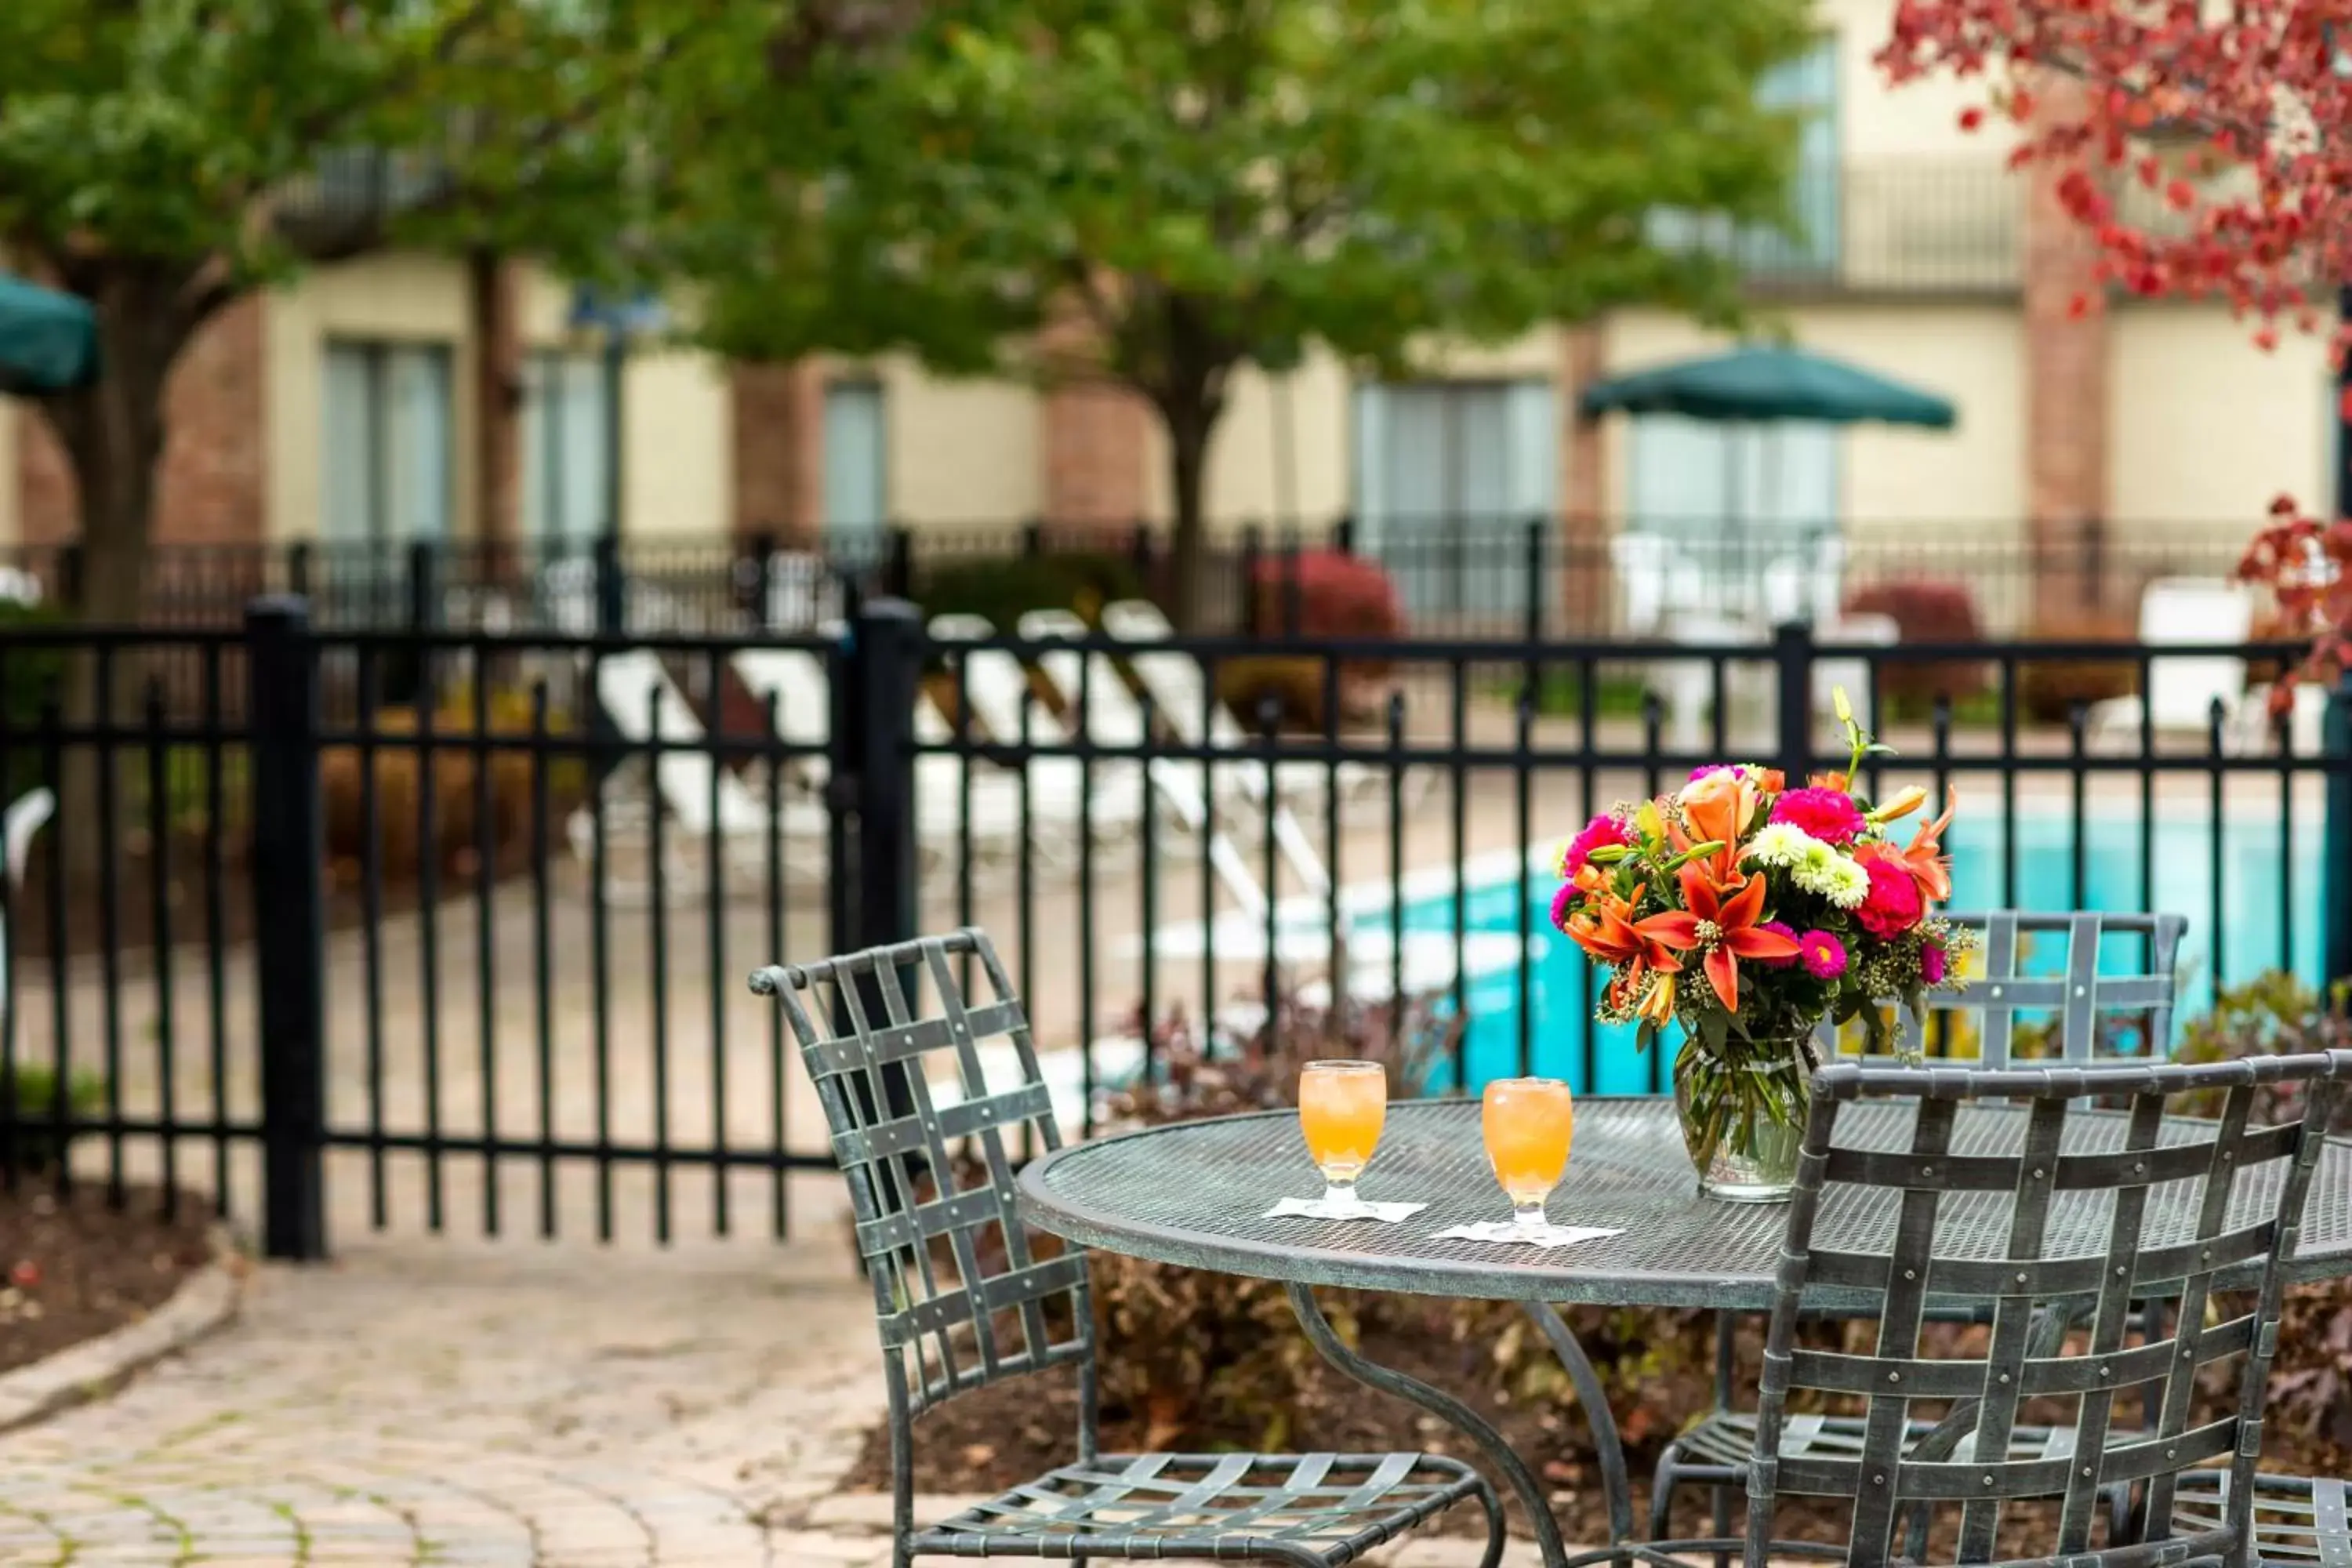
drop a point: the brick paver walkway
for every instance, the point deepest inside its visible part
(432, 1403)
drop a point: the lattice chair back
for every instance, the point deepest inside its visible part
(2086, 1009)
(963, 1296)
(2055, 1209)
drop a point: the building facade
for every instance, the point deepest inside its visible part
(380, 400)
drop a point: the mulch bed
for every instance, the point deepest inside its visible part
(1000, 1436)
(72, 1268)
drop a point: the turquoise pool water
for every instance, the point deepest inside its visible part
(2265, 902)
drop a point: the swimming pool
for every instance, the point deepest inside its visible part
(2261, 892)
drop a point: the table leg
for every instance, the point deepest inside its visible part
(1608, 1448)
(1446, 1408)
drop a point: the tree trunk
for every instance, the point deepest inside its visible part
(113, 434)
(489, 289)
(1189, 430)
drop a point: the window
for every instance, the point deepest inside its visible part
(856, 459)
(1732, 501)
(389, 475)
(1448, 476)
(566, 436)
(1807, 85)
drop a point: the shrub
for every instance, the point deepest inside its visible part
(1294, 686)
(2047, 691)
(30, 1089)
(457, 837)
(1927, 611)
(1338, 596)
(1002, 590)
(29, 678)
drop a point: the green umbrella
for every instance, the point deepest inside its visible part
(1759, 383)
(49, 341)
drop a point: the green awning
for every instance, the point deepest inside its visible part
(1760, 383)
(49, 341)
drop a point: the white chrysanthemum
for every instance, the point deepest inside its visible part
(1836, 879)
(1782, 844)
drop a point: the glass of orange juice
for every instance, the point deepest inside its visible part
(1341, 1108)
(1528, 1123)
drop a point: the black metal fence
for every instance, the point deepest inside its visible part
(476, 961)
(1452, 575)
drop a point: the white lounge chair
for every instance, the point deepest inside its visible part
(707, 805)
(2182, 688)
(1089, 680)
(1180, 691)
(996, 687)
(802, 690)
(23, 819)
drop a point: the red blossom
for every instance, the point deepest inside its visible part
(2254, 168)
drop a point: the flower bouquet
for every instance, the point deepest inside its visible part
(1749, 912)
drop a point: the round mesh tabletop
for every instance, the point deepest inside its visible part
(1196, 1194)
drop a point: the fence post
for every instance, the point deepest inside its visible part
(1792, 661)
(2335, 882)
(885, 666)
(899, 569)
(1032, 537)
(1343, 534)
(762, 578)
(1534, 585)
(289, 925)
(1252, 549)
(611, 591)
(298, 569)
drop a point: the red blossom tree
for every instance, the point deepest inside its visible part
(2236, 115)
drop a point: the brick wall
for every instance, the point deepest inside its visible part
(213, 486)
(1583, 485)
(1095, 438)
(2066, 403)
(779, 449)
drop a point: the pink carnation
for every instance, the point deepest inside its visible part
(1829, 815)
(1778, 928)
(1601, 830)
(1893, 905)
(1933, 961)
(1823, 954)
(1562, 904)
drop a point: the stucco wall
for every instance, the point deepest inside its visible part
(2204, 425)
(960, 453)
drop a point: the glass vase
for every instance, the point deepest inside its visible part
(1743, 1116)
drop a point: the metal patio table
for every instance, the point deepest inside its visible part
(1195, 1195)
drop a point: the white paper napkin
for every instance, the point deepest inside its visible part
(1508, 1231)
(1318, 1208)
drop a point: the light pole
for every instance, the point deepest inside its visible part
(618, 321)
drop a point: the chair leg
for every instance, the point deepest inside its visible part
(1495, 1529)
(1722, 1523)
(1662, 1490)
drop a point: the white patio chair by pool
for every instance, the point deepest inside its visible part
(19, 587)
(23, 819)
(1179, 691)
(996, 687)
(708, 806)
(2182, 689)
(2253, 731)
(1685, 685)
(1857, 677)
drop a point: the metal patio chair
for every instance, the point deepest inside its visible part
(964, 1299)
(2077, 1213)
(1715, 1452)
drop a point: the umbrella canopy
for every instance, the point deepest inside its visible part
(49, 341)
(1759, 382)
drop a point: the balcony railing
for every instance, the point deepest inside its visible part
(1901, 226)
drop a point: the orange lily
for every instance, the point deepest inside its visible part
(1830, 780)
(1737, 930)
(1606, 931)
(1717, 808)
(1923, 857)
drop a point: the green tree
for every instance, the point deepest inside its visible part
(165, 158)
(1180, 188)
